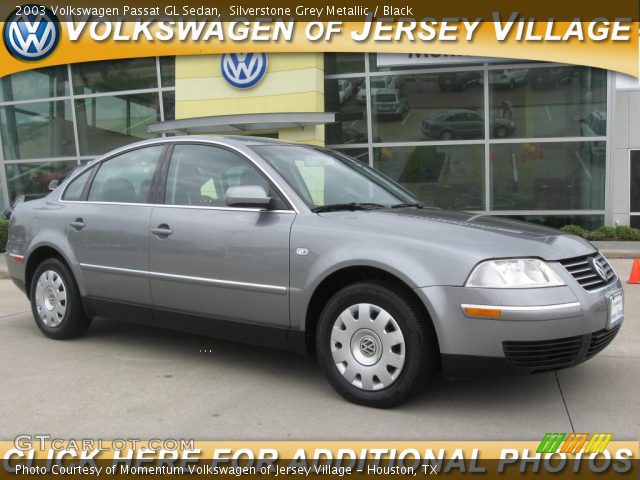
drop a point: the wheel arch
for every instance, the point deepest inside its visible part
(348, 275)
(39, 254)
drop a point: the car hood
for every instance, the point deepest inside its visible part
(474, 236)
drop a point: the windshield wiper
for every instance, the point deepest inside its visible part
(334, 207)
(407, 205)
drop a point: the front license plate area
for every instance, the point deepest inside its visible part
(616, 310)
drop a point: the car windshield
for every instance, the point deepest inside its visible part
(378, 83)
(321, 177)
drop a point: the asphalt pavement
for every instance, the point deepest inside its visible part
(122, 380)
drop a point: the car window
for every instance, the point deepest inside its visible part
(459, 117)
(126, 178)
(199, 175)
(76, 187)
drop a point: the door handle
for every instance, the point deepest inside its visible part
(77, 224)
(162, 230)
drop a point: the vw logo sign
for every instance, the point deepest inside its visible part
(599, 269)
(32, 36)
(243, 70)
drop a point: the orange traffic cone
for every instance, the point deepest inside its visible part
(635, 272)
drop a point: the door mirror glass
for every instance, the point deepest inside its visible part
(247, 196)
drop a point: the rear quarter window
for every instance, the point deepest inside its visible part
(76, 188)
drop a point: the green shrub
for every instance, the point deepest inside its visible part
(4, 233)
(627, 233)
(606, 232)
(595, 236)
(575, 230)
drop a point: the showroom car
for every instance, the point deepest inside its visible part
(462, 123)
(390, 103)
(302, 248)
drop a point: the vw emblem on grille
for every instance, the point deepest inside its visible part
(367, 346)
(243, 70)
(32, 36)
(599, 269)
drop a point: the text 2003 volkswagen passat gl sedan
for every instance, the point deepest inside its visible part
(302, 248)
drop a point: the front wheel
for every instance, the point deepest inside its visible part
(55, 301)
(375, 345)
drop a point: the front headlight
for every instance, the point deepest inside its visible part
(513, 273)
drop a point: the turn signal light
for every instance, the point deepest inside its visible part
(483, 312)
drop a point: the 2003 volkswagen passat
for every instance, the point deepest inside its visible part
(302, 248)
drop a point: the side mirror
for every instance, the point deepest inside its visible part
(53, 184)
(247, 196)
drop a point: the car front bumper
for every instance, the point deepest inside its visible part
(539, 329)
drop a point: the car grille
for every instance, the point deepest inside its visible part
(544, 355)
(583, 269)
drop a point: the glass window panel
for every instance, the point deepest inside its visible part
(343, 63)
(548, 176)
(169, 105)
(127, 177)
(634, 221)
(635, 181)
(112, 75)
(105, 123)
(434, 106)
(347, 97)
(32, 84)
(449, 177)
(588, 222)
(200, 175)
(168, 71)
(550, 101)
(33, 178)
(76, 187)
(361, 154)
(37, 130)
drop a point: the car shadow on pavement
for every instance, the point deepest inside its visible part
(304, 372)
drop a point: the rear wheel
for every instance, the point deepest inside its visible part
(55, 301)
(375, 345)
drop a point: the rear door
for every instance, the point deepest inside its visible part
(108, 226)
(213, 261)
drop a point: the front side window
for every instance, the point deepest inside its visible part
(126, 178)
(199, 175)
(322, 179)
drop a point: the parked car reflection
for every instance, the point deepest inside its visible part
(462, 123)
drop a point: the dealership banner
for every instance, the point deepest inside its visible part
(557, 455)
(51, 33)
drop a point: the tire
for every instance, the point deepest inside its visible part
(446, 135)
(55, 301)
(501, 132)
(356, 367)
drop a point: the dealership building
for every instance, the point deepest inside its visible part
(547, 143)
